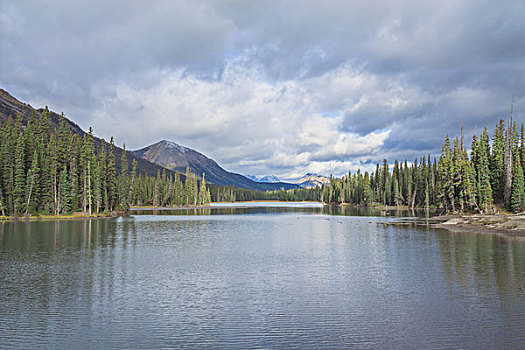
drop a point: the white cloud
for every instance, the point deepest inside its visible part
(270, 87)
(245, 121)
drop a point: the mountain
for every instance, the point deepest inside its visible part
(10, 106)
(175, 157)
(252, 177)
(267, 178)
(312, 181)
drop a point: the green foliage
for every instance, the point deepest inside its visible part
(48, 171)
(454, 183)
(517, 200)
(44, 170)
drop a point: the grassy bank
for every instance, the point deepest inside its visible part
(58, 217)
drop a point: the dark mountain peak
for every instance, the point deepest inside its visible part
(174, 156)
(168, 146)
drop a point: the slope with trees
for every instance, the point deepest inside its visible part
(55, 171)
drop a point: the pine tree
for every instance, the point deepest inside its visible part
(446, 171)
(123, 179)
(88, 171)
(65, 193)
(102, 176)
(32, 186)
(517, 201)
(507, 160)
(202, 191)
(522, 147)
(111, 176)
(156, 191)
(497, 162)
(368, 193)
(98, 180)
(179, 190)
(427, 196)
(2, 207)
(484, 181)
(132, 192)
(20, 175)
(188, 187)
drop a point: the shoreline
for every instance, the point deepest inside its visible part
(502, 224)
(499, 224)
(58, 217)
(151, 207)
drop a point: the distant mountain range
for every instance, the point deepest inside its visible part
(267, 178)
(313, 180)
(176, 157)
(309, 180)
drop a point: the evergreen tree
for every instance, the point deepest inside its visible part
(202, 192)
(132, 192)
(32, 186)
(497, 162)
(156, 193)
(111, 176)
(517, 201)
(123, 179)
(446, 171)
(179, 190)
(65, 192)
(20, 176)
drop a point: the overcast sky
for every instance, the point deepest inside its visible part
(271, 87)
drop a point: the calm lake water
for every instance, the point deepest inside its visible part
(254, 277)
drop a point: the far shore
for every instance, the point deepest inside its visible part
(209, 206)
(151, 207)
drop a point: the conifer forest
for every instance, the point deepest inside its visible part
(487, 177)
(53, 171)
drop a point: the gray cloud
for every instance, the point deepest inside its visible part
(271, 86)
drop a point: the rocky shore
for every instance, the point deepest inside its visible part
(504, 224)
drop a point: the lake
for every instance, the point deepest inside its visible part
(258, 276)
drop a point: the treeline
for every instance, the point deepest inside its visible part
(456, 182)
(49, 170)
(490, 176)
(233, 194)
(164, 190)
